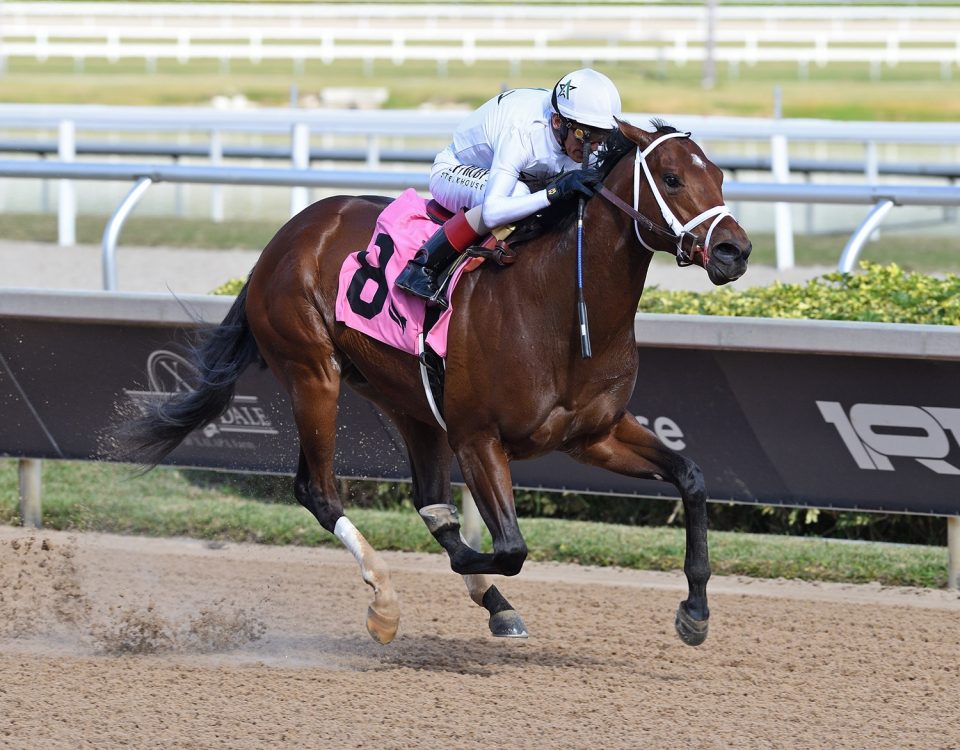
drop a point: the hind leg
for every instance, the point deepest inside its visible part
(430, 458)
(290, 307)
(315, 487)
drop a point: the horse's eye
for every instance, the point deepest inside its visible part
(671, 181)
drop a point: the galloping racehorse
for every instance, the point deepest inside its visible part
(516, 384)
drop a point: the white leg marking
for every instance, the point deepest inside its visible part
(383, 615)
(347, 533)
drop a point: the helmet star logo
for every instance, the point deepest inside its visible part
(564, 89)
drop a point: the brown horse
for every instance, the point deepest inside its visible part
(516, 384)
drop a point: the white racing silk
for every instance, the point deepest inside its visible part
(502, 156)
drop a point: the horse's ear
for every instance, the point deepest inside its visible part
(641, 137)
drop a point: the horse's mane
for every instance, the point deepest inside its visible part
(617, 145)
(558, 216)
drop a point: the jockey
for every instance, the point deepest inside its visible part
(515, 155)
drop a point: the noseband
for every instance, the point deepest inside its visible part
(686, 254)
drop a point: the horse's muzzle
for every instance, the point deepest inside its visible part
(728, 261)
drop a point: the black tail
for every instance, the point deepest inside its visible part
(220, 357)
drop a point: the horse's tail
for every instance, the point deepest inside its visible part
(219, 358)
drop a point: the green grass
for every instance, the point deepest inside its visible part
(146, 231)
(168, 502)
(841, 91)
(930, 253)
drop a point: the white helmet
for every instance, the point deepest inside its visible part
(587, 97)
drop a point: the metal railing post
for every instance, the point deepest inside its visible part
(373, 152)
(67, 211)
(216, 191)
(953, 553)
(30, 472)
(782, 216)
(300, 158)
(112, 231)
(851, 252)
(780, 166)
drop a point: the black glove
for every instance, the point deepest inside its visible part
(568, 184)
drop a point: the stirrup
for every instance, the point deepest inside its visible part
(442, 281)
(417, 280)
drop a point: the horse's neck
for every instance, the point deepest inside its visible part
(615, 264)
(620, 261)
(614, 271)
(615, 267)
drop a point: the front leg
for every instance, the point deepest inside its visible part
(631, 449)
(486, 470)
(430, 458)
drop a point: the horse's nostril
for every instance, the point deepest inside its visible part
(729, 252)
(726, 252)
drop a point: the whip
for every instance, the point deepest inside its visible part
(585, 351)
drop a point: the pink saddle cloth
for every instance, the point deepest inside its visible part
(367, 300)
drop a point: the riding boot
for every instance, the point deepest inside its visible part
(423, 272)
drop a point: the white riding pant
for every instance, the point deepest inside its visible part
(456, 186)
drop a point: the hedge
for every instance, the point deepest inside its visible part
(877, 294)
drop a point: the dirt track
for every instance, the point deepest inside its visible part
(110, 641)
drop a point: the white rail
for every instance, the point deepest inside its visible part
(888, 35)
(431, 130)
(397, 48)
(881, 197)
(159, 13)
(441, 123)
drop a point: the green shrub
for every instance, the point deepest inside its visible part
(231, 287)
(879, 294)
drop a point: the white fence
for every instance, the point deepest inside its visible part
(518, 33)
(738, 46)
(298, 128)
(882, 199)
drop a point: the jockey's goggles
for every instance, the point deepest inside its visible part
(584, 133)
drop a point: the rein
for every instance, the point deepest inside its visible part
(677, 231)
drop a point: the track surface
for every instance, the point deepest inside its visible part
(109, 641)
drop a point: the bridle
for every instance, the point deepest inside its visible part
(677, 231)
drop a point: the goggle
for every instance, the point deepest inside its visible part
(583, 134)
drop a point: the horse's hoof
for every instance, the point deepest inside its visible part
(508, 624)
(382, 627)
(692, 632)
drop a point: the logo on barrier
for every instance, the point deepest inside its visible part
(667, 430)
(875, 433)
(169, 374)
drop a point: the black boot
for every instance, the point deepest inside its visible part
(422, 274)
